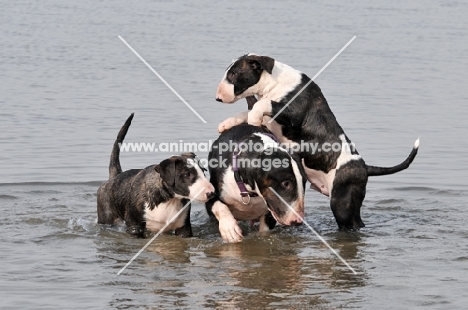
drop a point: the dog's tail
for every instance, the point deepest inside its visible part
(114, 165)
(376, 171)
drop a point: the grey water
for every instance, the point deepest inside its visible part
(67, 84)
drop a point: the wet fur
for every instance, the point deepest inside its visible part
(130, 195)
(341, 175)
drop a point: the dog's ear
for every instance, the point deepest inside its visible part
(167, 171)
(261, 62)
(189, 155)
(298, 159)
(194, 157)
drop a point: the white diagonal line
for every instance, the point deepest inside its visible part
(160, 231)
(316, 233)
(163, 80)
(315, 76)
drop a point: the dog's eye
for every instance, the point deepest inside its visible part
(286, 184)
(186, 174)
(232, 75)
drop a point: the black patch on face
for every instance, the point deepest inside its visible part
(177, 175)
(281, 179)
(246, 71)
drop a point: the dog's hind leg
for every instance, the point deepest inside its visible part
(346, 201)
(106, 214)
(347, 194)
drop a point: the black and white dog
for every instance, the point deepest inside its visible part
(150, 197)
(245, 164)
(340, 173)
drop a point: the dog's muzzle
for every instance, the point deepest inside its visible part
(210, 195)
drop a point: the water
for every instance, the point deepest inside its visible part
(67, 84)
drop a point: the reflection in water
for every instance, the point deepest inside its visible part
(62, 98)
(288, 268)
(265, 269)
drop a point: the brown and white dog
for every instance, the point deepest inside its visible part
(305, 124)
(149, 198)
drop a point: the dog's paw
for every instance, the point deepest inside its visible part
(230, 230)
(229, 123)
(136, 231)
(255, 118)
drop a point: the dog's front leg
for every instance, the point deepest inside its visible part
(267, 223)
(136, 230)
(186, 230)
(135, 223)
(233, 121)
(228, 227)
(260, 109)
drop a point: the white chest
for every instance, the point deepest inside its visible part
(163, 214)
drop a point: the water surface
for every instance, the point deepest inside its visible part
(67, 84)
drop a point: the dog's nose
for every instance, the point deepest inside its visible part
(296, 223)
(219, 99)
(210, 195)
